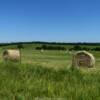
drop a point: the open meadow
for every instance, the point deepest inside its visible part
(47, 75)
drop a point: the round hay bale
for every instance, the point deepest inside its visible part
(42, 50)
(11, 55)
(83, 59)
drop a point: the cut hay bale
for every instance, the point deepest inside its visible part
(11, 55)
(42, 51)
(83, 59)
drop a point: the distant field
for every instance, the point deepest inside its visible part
(47, 74)
(53, 58)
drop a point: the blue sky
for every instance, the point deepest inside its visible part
(50, 20)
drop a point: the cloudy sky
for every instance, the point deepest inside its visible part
(50, 20)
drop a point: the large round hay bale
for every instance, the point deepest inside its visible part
(83, 59)
(11, 55)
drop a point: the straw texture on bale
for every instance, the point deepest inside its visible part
(11, 55)
(83, 57)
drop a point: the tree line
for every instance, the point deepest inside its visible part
(49, 47)
(58, 46)
(75, 48)
(51, 43)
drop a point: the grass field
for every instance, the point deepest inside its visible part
(47, 76)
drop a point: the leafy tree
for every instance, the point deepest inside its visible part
(77, 47)
(20, 46)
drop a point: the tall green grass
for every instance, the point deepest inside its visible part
(29, 81)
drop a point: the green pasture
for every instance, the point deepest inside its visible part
(47, 76)
(48, 58)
